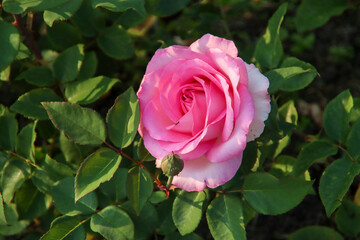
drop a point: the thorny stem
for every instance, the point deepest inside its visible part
(120, 152)
(30, 41)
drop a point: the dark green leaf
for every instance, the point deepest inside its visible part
(64, 198)
(287, 112)
(187, 211)
(157, 197)
(55, 169)
(42, 180)
(315, 233)
(355, 111)
(3, 220)
(225, 218)
(336, 116)
(312, 14)
(96, 169)
(25, 142)
(61, 12)
(269, 51)
(178, 236)
(335, 182)
(166, 223)
(82, 125)
(89, 65)
(70, 150)
(9, 43)
(269, 195)
(116, 187)
(39, 76)
(123, 119)
(86, 91)
(112, 223)
(312, 152)
(29, 104)
(67, 64)
(141, 152)
(116, 43)
(353, 140)
(8, 130)
(20, 6)
(120, 6)
(347, 218)
(139, 187)
(64, 227)
(56, 34)
(163, 8)
(14, 226)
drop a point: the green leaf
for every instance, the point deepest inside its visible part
(347, 218)
(313, 14)
(5, 74)
(120, 6)
(29, 104)
(157, 197)
(166, 223)
(141, 152)
(116, 187)
(96, 169)
(112, 223)
(312, 152)
(86, 91)
(88, 20)
(225, 218)
(3, 220)
(42, 180)
(283, 166)
(178, 236)
(30, 202)
(70, 150)
(116, 43)
(56, 33)
(40, 76)
(355, 111)
(287, 112)
(315, 233)
(89, 65)
(354, 140)
(25, 142)
(82, 125)
(20, 6)
(64, 198)
(163, 8)
(269, 195)
(123, 119)
(9, 43)
(269, 51)
(67, 64)
(336, 181)
(187, 211)
(336, 116)
(56, 170)
(8, 130)
(64, 227)
(61, 12)
(13, 176)
(139, 187)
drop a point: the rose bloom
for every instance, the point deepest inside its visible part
(203, 103)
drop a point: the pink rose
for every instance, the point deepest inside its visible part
(203, 103)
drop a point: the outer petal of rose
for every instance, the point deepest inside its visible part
(209, 41)
(258, 85)
(152, 145)
(223, 151)
(200, 173)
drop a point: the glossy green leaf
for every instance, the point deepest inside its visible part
(115, 189)
(187, 211)
(42, 180)
(3, 220)
(141, 152)
(139, 187)
(82, 125)
(86, 91)
(40, 76)
(157, 197)
(336, 116)
(65, 227)
(225, 218)
(112, 223)
(61, 12)
(89, 66)
(70, 150)
(313, 14)
(116, 43)
(283, 166)
(14, 226)
(8, 130)
(25, 141)
(67, 65)
(123, 119)
(96, 169)
(336, 181)
(312, 152)
(353, 140)
(64, 198)
(120, 6)
(315, 233)
(269, 195)
(347, 218)
(13, 176)
(20, 6)
(9, 43)
(55, 169)
(29, 104)
(163, 8)
(269, 51)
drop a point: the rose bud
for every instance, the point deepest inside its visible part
(172, 164)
